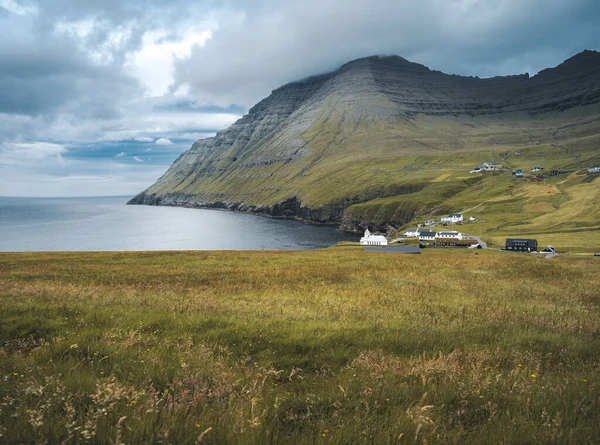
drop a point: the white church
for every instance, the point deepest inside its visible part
(373, 240)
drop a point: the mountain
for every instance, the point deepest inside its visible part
(383, 140)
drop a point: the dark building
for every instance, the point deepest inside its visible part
(521, 245)
(557, 172)
(427, 235)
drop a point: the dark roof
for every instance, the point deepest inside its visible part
(427, 233)
(521, 241)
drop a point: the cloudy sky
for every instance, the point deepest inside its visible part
(98, 97)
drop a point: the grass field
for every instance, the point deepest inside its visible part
(333, 346)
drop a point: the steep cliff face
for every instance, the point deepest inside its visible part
(314, 148)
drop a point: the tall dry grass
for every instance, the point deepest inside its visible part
(298, 347)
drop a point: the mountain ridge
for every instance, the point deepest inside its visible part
(286, 157)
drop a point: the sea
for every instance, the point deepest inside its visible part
(107, 224)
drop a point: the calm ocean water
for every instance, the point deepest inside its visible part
(32, 224)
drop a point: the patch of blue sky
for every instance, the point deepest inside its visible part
(126, 152)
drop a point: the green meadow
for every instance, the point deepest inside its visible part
(333, 346)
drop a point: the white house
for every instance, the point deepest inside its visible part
(594, 169)
(452, 234)
(373, 240)
(427, 235)
(472, 218)
(453, 218)
(413, 232)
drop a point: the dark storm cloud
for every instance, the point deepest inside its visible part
(42, 77)
(47, 73)
(267, 43)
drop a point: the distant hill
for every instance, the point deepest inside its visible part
(383, 140)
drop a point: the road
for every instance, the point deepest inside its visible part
(479, 240)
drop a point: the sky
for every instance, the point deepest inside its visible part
(99, 97)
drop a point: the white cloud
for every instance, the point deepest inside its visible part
(196, 136)
(120, 155)
(163, 141)
(138, 159)
(17, 8)
(144, 139)
(153, 63)
(36, 151)
(84, 178)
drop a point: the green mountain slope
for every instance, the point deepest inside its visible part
(383, 140)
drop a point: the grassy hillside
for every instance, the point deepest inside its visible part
(358, 159)
(400, 172)
(382, 142)
(561, 210)
(335, 346)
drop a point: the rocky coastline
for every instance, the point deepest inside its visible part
(289, 209)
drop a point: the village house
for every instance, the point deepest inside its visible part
(482, 168)
(595, 169)
(519, 173)
(373, 240)
(453, 218)
(452, 234)
(521, 245)
(427, 235)
(536, 168)
(413, 232)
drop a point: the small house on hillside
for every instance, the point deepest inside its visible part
(453, 218)
(413, 232)
(521, 245)
(427, 235)
(519, 173)
(536, 168)
(595, 169)
(373, 240)
(453, 234)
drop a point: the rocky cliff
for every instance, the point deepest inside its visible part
(374, 129)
